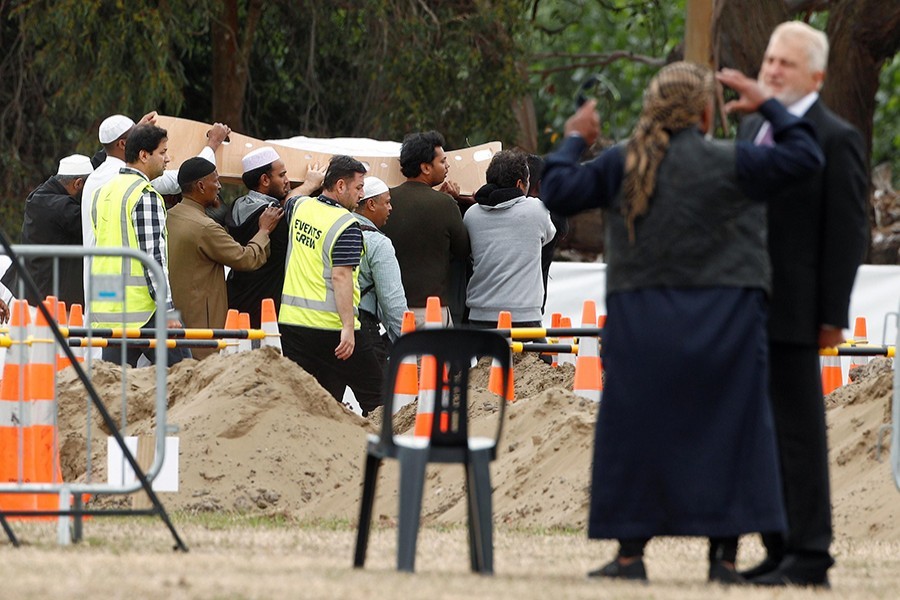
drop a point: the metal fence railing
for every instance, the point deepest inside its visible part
(71, 508)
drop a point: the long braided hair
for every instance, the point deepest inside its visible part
(675, 99)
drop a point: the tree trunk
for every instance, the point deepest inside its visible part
(231, 57)
(741, 30)
(526, 119)
(862, 35)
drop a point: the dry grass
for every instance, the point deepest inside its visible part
(232, 557)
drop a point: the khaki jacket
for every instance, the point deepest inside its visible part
(199, 250)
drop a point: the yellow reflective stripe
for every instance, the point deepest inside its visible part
(290, 247)
(94, 207)
(124, 221)
(310, 304)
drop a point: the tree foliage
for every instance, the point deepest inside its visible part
(625, 42)
(476, 70)
(382, 68)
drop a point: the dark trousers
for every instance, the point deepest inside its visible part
(313, 349)
(113, 354)
(369, 329)
(799, 412)
(720, 548)
(132, 355)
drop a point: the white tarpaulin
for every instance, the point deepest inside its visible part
(349, 146)
(876, 294)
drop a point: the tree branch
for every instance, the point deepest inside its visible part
(599, 60)
(595, 60)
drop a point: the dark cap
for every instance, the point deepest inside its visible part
(193, 169)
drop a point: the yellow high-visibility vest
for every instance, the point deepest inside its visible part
(307, 298)
(111, 209)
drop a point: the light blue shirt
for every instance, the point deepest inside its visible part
(379, 266)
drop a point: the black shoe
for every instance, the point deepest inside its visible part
(634, 571)
(764, 568)
(719, 572)
(799, 571)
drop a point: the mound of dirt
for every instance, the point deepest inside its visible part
(864, 495)
(258, 434)
(256, 431)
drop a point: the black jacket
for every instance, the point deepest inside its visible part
(52, 216)
(818, 232)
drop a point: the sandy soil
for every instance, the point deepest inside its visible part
(132, 558)
(260, 438)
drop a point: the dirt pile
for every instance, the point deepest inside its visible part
(864, 496)
(257, 433)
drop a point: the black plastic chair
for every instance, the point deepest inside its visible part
(449, 443)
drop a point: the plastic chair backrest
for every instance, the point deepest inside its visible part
(453, 350)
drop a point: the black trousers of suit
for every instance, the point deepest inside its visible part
(799, 412)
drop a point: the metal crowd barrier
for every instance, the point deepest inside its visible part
(71, 508)
(895, 408)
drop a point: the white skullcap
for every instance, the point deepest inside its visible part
(113, 127)
(372, 186)
(259, 158)
(77, 164)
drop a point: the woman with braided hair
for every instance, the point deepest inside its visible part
(684, 443)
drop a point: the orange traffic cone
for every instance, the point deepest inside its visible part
(601, 323)
(407, 386)
(427, 391)
(495, 382)
(40, 372)
(831, 374)
(232, 319)
(62, 361)
(860, 337)
(566, 323)
(269, 324)
(244, 344)
(588, 382)
(16, 436)
(76, 319)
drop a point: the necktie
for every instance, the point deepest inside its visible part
(765, 135)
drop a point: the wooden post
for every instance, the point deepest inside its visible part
(698, 45)
(146, 452)
(698, 32)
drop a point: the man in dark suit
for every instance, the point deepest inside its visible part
(817, 239)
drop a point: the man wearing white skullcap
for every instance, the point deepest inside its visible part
(112, 133)
(204, 249)
(53, 216)
(382, 299)
(266, 178)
